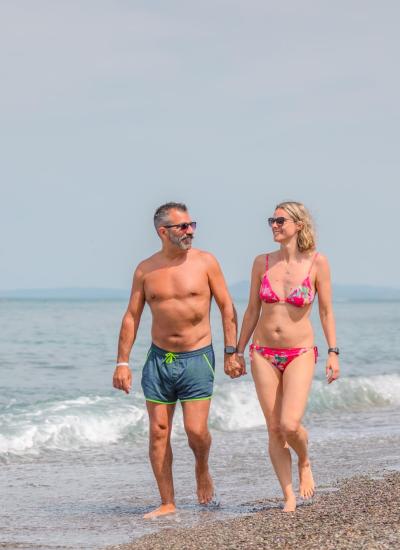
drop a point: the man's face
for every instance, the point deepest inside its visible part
(180, 236)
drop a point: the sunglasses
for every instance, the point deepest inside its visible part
(183, 226)
(279, 221)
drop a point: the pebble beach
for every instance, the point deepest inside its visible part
(360, 512)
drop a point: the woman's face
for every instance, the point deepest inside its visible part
(283, 231)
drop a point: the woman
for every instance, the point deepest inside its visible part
(283, 356)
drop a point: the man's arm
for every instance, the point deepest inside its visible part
(228, 313)
(122, 379)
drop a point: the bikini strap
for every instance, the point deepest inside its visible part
(312, 263)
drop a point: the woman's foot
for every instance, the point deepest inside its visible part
(290, 504)
(306, 488)
(162, 510)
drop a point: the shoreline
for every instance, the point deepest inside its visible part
(361, 512)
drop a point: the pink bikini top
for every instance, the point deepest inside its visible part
(301, 296)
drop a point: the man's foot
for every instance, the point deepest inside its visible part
(290, 504)
(205, 487)
(306, 488)
(163, 510)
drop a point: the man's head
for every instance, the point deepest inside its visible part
(173, 224)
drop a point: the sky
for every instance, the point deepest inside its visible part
(109, 109)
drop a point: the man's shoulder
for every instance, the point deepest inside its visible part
(146, 265)
(203, 256)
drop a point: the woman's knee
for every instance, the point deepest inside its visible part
(275, 432)
(290, 426)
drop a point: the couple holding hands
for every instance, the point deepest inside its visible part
(178, 283)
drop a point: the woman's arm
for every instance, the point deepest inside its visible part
(252, 313)
(324, 288)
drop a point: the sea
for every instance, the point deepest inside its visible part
(74, 469)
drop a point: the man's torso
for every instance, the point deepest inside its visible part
(179, 296)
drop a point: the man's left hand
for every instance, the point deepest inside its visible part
(232, 366)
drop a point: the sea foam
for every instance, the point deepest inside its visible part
(68, 425)
(90, 421)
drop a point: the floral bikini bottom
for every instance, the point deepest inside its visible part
(281, 357)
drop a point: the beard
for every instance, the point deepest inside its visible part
(184, 243)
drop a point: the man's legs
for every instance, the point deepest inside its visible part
(160, 451)
(195, 418)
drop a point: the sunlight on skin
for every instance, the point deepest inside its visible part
(205, 489)
(163, 510)
(306, 481)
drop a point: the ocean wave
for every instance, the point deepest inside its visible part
(92, 421)
(236, 407)
(350, 394)
(67, 425)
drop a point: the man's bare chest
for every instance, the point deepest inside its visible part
(178, 284)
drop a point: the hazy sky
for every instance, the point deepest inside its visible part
(108, 109)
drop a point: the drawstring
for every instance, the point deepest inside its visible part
(170, 357)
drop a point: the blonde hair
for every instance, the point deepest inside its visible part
(306, 239)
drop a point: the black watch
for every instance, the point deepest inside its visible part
(333, 350)
(229, 350)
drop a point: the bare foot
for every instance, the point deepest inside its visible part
(290, 504)
(205, 487)
(163, 510)
(306, 480)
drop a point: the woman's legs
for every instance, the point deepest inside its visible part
(269, 384)
(297, 380)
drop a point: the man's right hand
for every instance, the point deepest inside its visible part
(122, 379)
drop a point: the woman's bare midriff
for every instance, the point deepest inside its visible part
(284, 326)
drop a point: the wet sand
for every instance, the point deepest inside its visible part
(363, 513)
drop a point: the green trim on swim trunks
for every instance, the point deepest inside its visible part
(196, 399)
(209, 364)
(161, 402)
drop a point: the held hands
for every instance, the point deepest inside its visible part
(332, 368)
(122, 379)
(234, 366)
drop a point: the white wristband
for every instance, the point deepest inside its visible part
(122, 365)
(239, 354)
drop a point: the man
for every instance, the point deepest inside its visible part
(178, 283)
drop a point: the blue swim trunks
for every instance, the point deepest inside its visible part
(168, 376)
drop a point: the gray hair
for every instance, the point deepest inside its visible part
(161, 214)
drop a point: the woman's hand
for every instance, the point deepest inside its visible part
(332, 368)
(232, 366)
(242, 363)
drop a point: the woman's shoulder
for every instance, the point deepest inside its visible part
(263, 257)
(321, 260)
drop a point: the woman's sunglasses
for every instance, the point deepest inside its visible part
(279, 221)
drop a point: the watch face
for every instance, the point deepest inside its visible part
(229, 349)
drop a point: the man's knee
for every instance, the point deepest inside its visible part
(159, 433)
(198, 436)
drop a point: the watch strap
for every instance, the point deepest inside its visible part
(333, 350)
